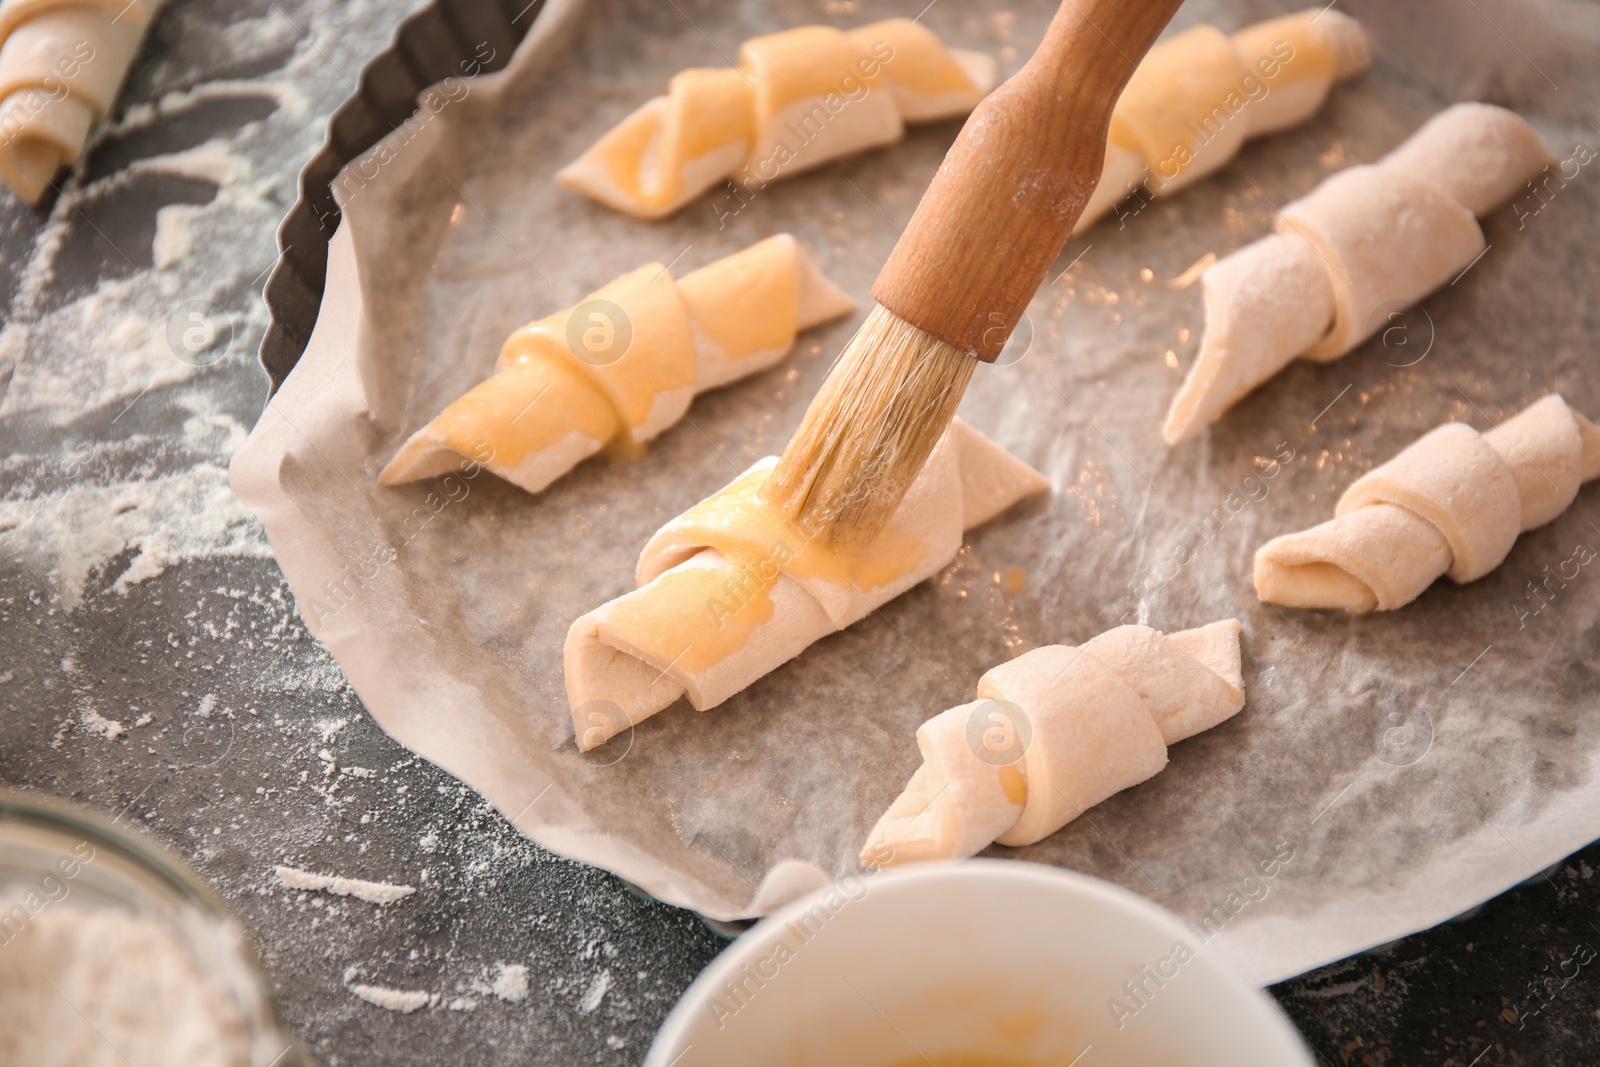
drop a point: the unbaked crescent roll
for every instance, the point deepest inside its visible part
(624, 364)
(1196, 98)
(797, 99)
(1370, 237)
(1451, 504)
(730, 590)
(1053, 733)
(61, 64)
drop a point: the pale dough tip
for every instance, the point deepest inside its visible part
(1352, 44)
(982, 68)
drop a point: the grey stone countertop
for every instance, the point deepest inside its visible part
(152, 663)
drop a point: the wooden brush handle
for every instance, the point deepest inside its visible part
(1017, 178)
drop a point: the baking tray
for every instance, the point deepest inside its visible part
(1498, 90)
(431, 44)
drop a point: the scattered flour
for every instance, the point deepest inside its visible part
(91, 720)
(372, 892)
(131, 347)
(95, 363)
(164, 520)
(253, 35)
(211, 162)
(511, 985)
(174, 234)
(102, 987)
(596, 993)
(208, 433)
(404, 1001)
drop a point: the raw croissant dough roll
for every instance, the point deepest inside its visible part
(1053, 733)
(1370, 237)
(730, 590)
(549, 405)
(797, 99)
(1450, 504)
(61, 64)
(1197, 97)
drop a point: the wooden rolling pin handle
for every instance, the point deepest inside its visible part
(1018, 176)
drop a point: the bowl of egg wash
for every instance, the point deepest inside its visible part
(987, 963)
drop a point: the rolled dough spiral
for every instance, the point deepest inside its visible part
(624, 363)
(1198, 96)
(731, 590)
(61, 64)
(1053, 733)
(797, 99)
(1451, 504)
(1370, 238)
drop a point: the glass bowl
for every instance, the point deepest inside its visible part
(112, 951)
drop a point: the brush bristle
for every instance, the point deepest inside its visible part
(887, 400)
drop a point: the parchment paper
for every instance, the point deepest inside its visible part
(1410, 764)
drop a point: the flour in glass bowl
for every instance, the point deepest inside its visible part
(105, 987)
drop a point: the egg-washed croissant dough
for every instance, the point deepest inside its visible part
(1198, 96)
(730, 590)
(1451, 504)
(61, 64)
(1053, 733)
(797, 99)
(547, 408)
(1369, 238)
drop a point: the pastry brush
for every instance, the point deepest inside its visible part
(979, 244)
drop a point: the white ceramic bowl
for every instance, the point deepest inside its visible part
(989, 956)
